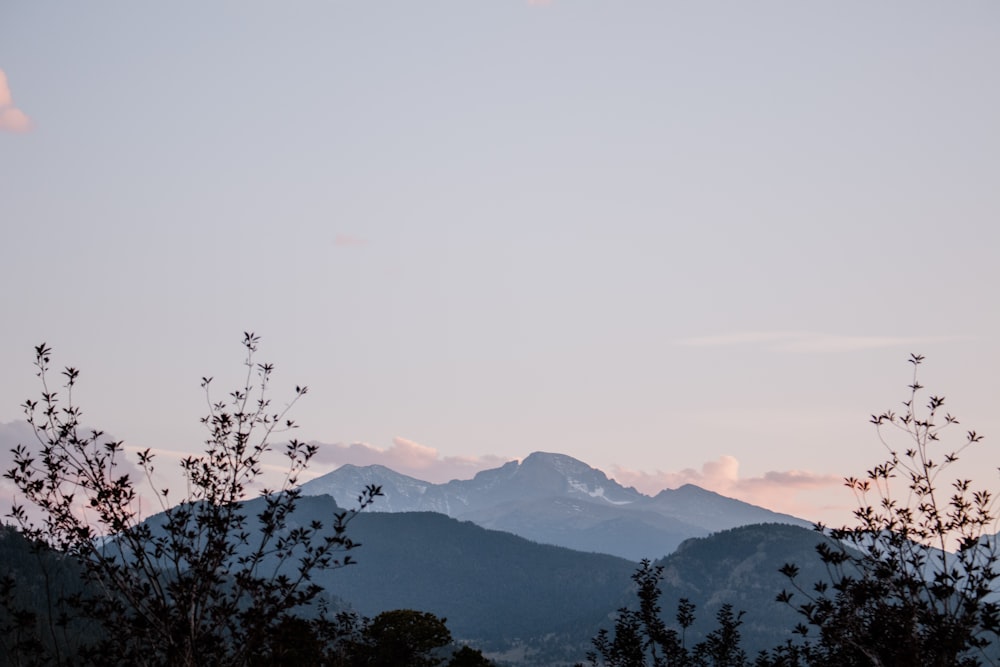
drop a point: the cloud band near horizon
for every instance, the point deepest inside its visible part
(778, 490)
(12, 119)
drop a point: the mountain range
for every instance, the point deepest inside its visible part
(522, 603)
(556, 499)
(521, 598)
(525, 603)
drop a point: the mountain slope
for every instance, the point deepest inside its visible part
(498, 591)
(740, 567)
(556, 499)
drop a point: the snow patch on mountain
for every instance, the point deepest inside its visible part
(596, 493)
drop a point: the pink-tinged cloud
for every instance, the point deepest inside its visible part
(346, 240)
(409, 458)
(12, 119)
(781, 491)
(18, 433)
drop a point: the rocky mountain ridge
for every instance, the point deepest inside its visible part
(556, 499)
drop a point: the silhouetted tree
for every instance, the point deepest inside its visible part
(469, 657)
(721, 647)
(913, 582)
(642, 639)
(36, 621)
(402, 637)
(202, 583)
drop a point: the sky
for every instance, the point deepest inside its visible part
(680, 241)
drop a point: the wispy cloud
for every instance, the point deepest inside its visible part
(13, 434)
(345, 240)
(12, 119)
(741, 338)
(805, 341)
(408, 457)
(776, 490)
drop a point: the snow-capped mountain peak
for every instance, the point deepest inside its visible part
(554, 498)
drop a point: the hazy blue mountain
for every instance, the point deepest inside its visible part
(714, 512)
(540, 475)
(588, 526)
(556, 499)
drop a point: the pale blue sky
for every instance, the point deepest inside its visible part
(645, 234)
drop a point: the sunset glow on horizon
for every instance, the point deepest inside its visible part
(683, 243)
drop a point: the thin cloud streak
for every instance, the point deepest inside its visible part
(741, 338)
(346, 240)
(804, 341)
(12, 119)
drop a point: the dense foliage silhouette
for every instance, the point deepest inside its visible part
(911, 584)
(207, 584)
